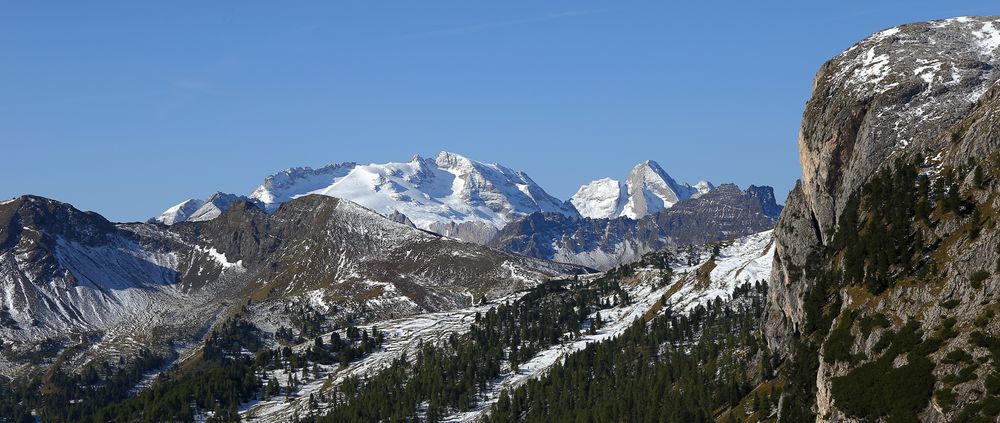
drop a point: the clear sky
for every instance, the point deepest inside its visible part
(126, 108)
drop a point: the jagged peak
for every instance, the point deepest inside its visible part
(704, 184)
(652, 164)
(449, 160)
(293, 172)
(648, 168)
(220, 195)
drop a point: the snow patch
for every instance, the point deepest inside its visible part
(219, 257)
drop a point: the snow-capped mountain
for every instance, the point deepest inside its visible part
(449, 194)
(194, 210)
(648, 189)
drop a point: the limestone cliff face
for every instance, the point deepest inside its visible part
(898, 93)
(924, 90)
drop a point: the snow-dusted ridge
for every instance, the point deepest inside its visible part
(939, 67)
(194, 210)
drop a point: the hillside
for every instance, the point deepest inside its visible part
(77, 287)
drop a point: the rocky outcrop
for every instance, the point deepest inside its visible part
(897, 93)
(922, 93)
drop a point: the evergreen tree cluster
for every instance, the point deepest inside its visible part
(678, 368)
(883, 243)
(234, 368)
(64, 396)
(448, 378)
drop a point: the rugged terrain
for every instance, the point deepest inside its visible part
(722, 213)
(72, 279)
(892, 231)
(881, 303)
(734, 262)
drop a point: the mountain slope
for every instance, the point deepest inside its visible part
(64, 272)
(883, 285)
(199, 210)
(648, 293)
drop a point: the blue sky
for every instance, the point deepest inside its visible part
(126, 108)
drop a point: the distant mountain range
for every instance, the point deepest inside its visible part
(489, 203)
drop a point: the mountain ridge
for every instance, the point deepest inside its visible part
(142, 285)
(724, 212)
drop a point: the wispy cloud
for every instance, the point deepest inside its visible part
(499, 24)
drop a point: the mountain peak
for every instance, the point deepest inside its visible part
(448, 160)
(651, 164)
(598, 199)
(179, 212)
(648, 189)
(194, 210)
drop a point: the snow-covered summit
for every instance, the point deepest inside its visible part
(194, 210)
(647, 190)
(434, 194)
(702, 188)
(179, 212)
(601, 198)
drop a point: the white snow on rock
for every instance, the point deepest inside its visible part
(744, 260)
(648, 189)
(219, 257)
(940, 68)
(600, 199)
(195, 210)
(988, 37)
(447, 190)
(702, 188)
(179, 212)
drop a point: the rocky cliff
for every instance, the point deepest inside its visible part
(886, 260)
